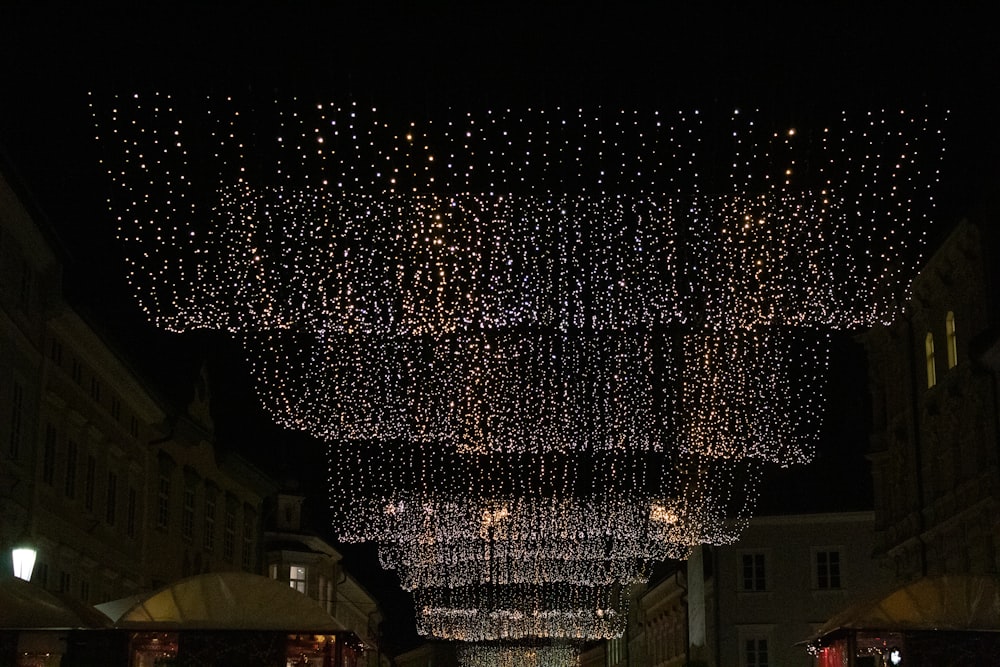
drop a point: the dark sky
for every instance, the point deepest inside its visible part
(421, 58)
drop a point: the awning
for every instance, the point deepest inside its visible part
(223, 601)
(24, 606)
(944, 603)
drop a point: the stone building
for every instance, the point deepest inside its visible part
(783, 579)
(116, 490)
(934, 451)
(312, 566)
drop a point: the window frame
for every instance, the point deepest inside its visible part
(758, 579)
(951, 339)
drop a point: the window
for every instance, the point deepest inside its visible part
(112, 497)
(755, 652)
(55, 352)
(64, 581)
(77, 371)
(209, 539)
(951, 339)
(133, 426)
(297, 577)
(827, 569)
(95, 388)
(71, 465)
(85, 590)
(49, 455)
(116, 408)
(229, 534)
(40, 575)
(163, 501)
(24, 297)
(130, 517)
(17, 410)
(246, 553)
(89, 482)
(929, 354)
(272, 571)
(753, 572)
(187, 516)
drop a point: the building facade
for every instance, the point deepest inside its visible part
(775, 587)
(117, 491)
(934, 448)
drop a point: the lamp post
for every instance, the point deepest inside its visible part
(24, 562)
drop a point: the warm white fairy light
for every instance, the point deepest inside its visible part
(512, 613)
(560, 343)
(516, 655)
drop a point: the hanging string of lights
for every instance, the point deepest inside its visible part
(515, 655)
(550, 346)
(513, 612)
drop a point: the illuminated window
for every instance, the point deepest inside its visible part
(828, 569)
(297, 577)
(929, 353)
(949, 327)
(754, 578)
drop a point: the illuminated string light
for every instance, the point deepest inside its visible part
(551, 346)
(508, 655)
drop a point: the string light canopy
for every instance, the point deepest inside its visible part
(514, 613)
(518, 655)
(548, 345)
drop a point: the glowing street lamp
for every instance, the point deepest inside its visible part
(24, 562)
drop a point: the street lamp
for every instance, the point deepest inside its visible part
(24, 562)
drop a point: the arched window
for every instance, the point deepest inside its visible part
(949, 328)
(929, 352)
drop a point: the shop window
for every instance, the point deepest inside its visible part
(929, 355)
(952, 339)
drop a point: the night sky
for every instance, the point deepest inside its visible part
(421, 59)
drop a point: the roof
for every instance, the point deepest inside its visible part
(24, 606)
(224, 601)
(940, 603)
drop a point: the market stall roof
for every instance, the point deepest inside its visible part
(945, 602)
(24, 606)
(224, 601)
